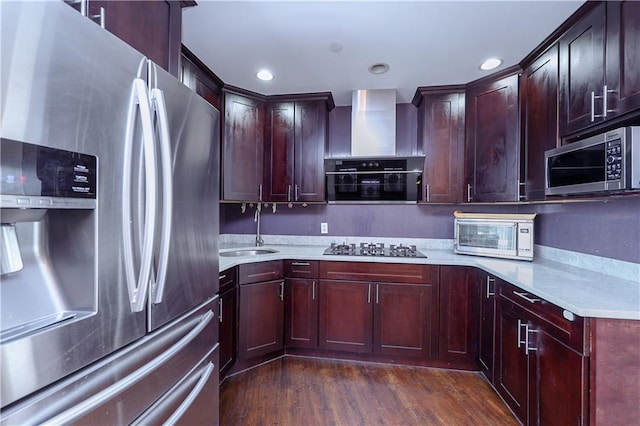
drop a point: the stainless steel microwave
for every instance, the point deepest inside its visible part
(606, 162)
(508, 236)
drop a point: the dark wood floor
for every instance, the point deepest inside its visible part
(310, 391)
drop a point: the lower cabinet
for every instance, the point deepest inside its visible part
(301, 304)
(359, 313)
(261, 313)
(228, 320)
(541, 367)
(486, 341)
(458, 329)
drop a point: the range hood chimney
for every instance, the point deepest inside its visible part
(373, 123)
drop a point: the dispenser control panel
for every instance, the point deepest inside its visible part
(38, 171)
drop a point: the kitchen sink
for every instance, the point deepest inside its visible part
(247, 252)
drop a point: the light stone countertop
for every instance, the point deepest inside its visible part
(581, 291)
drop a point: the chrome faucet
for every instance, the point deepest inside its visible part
(256, 219)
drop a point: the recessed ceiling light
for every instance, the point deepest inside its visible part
(379, 68)
(335, 47)
(264, 75)
(490, 64)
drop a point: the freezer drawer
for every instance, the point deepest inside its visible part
(193, 401)
(120, 388)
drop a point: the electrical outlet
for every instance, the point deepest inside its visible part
(324, 228)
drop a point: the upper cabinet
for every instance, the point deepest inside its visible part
(599, 71)
(196, 76)
(492, 141)
(441, 135)
(242, 147)
(295, 139)
(152, 27)
(539, 118)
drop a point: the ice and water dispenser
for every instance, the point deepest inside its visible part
(48, 212)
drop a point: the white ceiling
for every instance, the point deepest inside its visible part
(425, 42)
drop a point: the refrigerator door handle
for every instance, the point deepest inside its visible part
(86, 406)
(157, 97)
(138, 288)
(184, 406)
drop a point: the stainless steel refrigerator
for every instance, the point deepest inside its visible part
(109, 220)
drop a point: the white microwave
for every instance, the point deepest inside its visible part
(508, 236)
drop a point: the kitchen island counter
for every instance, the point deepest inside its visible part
(581, 291)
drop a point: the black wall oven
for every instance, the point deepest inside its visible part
(396, 179)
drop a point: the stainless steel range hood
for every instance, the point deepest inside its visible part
(373, 123)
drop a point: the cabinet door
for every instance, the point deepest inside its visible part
(242, 148)
(512, 363)
(261, 319)
(539, 119)
(623, 57)
(560, 386)
(492, 141)
(196, 76)
(486, 349)
(154, 28)
(310, 139)
(441, 132)
(346, 316)
(301, 313)
(458, 315)
(405, 320)
(582, 59)
(279, 152)
(227, 317)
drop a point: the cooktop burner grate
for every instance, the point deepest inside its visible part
(374, 249)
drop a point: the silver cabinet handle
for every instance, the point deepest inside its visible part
(427, 193)
(519, 186)
(489, 281)
(300, 264)
(184, 406)
(520, 325)
(220, 310)
(593, 105)
(295, 192)
(528, 348)
(282, 291)
(468, 193)
(120, 386)
(157, 98)
(313, 290)
(139, 101)
(101, 17)
(222, 277)
(377, 294)
(288, 192)
(369, 294)
(524, 295)
(260, 192)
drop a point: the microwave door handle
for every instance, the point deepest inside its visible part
(158, 100)
(139, 101)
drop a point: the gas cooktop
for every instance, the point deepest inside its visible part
(373, 249)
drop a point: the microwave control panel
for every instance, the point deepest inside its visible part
(614, 159)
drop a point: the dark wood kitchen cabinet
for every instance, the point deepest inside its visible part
(541, 363)
(198, 77)
(301, 304)
(486, 340)
(242, 147)
(261, 313)
(539, 118)
(458, 335)
(295, 139)
(228, 304)
(599, 66)
(384, 309)
(492, 140)
(152, 27)
(441, 135)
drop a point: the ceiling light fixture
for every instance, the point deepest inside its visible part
(335, 47)
(379, 68)
(490, 64)
(264, 75)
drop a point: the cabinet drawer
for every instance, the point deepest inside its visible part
(261, 271)
(228, 279)
(379, 272)
(554, 322)
(301, 268)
